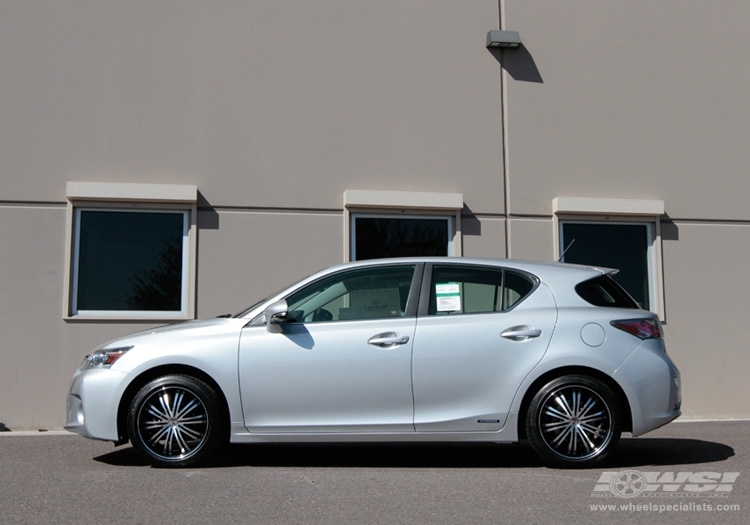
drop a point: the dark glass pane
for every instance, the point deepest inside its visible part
(369, 293)
(622, 246)
(380, 237)
(461, 289)
(604, 291)
(517, 287)
(130, 261)
(472, 289)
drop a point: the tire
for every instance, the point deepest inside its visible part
(573, 421)
(175, 421)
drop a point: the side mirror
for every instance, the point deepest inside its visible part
(276, 314)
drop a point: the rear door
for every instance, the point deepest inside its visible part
(480, 331)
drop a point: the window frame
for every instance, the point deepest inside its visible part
(136, 198)
(650, 240)
(615, 212)
(353, 228)
(400, 204)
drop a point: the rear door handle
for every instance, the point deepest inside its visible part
(388, 340)
(521, 333)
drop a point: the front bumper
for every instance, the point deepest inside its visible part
(93, 402)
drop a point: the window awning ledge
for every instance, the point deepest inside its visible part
(582, 205)
(403, 199)
(114, 191)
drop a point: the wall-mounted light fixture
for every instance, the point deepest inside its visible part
(503, 39)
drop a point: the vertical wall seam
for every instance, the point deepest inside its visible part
(504, 131)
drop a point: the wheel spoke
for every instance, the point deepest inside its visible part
(552, 412)
(166, 407)
(585, 439)
(160, 414)
(561, 436)
(180, 412)
(163, 431)
(180, 440)
(192, 434)
(564, 404)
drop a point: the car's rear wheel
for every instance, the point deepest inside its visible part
(175, 421)
(573, 421)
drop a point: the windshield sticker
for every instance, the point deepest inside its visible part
(448, 297)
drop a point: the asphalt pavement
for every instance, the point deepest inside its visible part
(686, 472)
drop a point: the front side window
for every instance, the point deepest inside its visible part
(472, 290)
(126, 262)
(382, 236)
(367, 293)
(624, 246)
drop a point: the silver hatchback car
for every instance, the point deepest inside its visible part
(404, 350)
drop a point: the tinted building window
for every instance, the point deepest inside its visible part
(621, 246)
(129, 261)
(381, 237)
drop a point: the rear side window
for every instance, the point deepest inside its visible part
(473, 290)
(604, 291)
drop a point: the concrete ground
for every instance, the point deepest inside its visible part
(694, 472)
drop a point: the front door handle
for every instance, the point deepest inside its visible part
(388, 340)
(521, 333)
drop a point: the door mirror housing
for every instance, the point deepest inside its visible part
(276, 314)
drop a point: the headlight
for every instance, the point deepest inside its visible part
(105, 357)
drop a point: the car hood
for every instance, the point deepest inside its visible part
(186, 328)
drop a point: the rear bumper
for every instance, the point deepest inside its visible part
(652, 384)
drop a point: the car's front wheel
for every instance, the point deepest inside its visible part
(175, 421)
(573, 421)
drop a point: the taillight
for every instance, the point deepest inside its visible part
(641, 328)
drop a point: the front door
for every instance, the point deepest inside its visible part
(342, 363)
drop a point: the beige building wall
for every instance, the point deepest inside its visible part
(275, 109)
(261, 104)
(630, 99)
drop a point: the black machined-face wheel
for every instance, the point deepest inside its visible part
(175, 421)
(573, 421)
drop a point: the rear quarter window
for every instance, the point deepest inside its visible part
(604, 291)
(464, 289)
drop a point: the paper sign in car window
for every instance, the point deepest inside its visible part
(448, 297)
